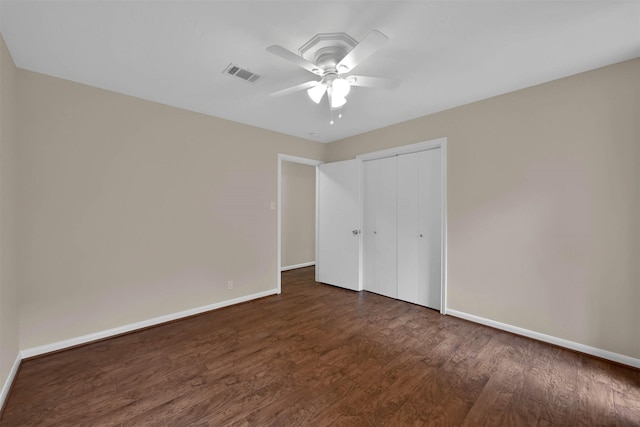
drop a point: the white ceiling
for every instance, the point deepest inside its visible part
(446, 53)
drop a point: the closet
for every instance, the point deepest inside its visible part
(402, 205)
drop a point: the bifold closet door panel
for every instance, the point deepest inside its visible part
(380, 221)
(430, 217)
(419, 239)
(408, 230)
(370, 205)
(386, 224)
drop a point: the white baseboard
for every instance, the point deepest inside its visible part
(293, 267)
(61, 345)
(593, 351)
(7, 384)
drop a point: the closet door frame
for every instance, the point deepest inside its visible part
(414, 148)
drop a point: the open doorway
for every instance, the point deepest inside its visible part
(297, 198)
(298, 248)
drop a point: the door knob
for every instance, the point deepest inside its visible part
(356, 232)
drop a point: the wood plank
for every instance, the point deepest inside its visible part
(320, 355)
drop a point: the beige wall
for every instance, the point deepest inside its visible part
(9, 343)
(132, 210)
(298, 214)
(543, 205)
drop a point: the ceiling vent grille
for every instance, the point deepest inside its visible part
(241, 73)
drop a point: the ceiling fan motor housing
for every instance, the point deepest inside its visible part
(327, 49)
(329, 57)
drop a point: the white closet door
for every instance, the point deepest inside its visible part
(430, 217)
(338, 224)
(402, 227)
(369, 225)
(380, 221)
(386, 232)
(419, 239)
(408, 230)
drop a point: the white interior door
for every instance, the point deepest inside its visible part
(338, 260)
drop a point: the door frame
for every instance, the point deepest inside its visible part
(304, 161)
(414, 148)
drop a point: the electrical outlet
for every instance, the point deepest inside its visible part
(230, 284)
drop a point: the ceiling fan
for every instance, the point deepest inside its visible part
(331, 56)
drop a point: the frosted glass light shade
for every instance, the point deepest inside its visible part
(337, 101)
(317, 92)
(340, 88)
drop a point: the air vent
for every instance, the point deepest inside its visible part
(241, 73)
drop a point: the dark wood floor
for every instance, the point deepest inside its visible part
(319, 355)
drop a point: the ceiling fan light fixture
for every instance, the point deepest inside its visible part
(337, 101)
(317, 92)
(340, 88)
(333, 56)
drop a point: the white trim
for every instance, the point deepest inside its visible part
(404, 149)
(293, 267)
(304, 161)
(317, 226)
(360, 226)
(443, 242)
(593, 351)
(61, 345)
(10, 378)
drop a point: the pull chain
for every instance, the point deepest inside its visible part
(331, 122)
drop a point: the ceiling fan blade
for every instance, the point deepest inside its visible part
(369, 45)
(296, 88)
(296, 59)
(375, 82)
